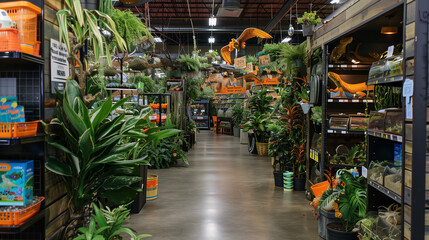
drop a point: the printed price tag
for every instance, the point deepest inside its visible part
(390, 50)
(239, 63)
(265, 59)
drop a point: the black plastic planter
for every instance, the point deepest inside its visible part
(334, 234)
(278, 179)
(140, 200)
(299, 184)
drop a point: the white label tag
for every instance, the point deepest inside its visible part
(364, 172)
(390, 51)
(407, 92)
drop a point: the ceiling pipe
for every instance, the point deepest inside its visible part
(201, 30)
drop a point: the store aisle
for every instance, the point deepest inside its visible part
(225, 193)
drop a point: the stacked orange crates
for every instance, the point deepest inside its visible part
(25, 16)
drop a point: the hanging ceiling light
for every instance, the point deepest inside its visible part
(212, 21)
(335, 1)
(286, 39)
(389, 29)
(211, 39)
(157, 39)
(291, 30)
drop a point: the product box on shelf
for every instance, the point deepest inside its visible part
(376, 120)
(16, 182)
(376, 171)
(393, 179)
(358, 122)
(397, 154)
(393, 121)
(17, 114)
(5, 107)
(339, 122)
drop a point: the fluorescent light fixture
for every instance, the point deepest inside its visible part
(335, 1)
(286, 40)
(211, 50)
(212, 21)
(157, 39)
(211, 39)
(291, 30)
(355, 61)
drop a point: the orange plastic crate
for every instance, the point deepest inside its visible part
(19, 217)
(25, 15)
(9, 40)
(156, 105)
(14, 130)
(36, 49)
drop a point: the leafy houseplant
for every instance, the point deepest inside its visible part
(76, 26)
(99, 154)
(295, 57)
(237, 118)
(106, 224)
(308, 20)
(349, 201)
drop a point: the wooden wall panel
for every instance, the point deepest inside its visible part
(410, 31)
(53, 229)
(409, 67)
(407, 230)
(408, 179)
(408, 147)
(409, 132)
(409, 48)
(407, 213)
(408, 161)
(360, 11)
(411, 12)
(57, 208)
(54, 4)
(407, 195)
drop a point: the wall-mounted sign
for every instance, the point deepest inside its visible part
(265, 59)
(240, 63)
(249, 68)
(60, 70)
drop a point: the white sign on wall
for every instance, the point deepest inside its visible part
(59, 65)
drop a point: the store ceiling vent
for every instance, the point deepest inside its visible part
(230, 8)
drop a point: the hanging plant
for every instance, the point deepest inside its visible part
(310, 18)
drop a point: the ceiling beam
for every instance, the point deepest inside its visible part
(280, 15)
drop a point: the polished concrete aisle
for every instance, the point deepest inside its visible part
(226, 193)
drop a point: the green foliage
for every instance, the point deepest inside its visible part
(350, 197)
(149, 83)
(294, 54)
(355, 157)
(100, 153)
(189, 64)
(207, 93)
(261, 102)
(237, 114)
(316, 114)
(310, 18)
(193, 88)
(387, 97)
(166, 154)
(258, 122)
(274, 50)
(106, 224)
(212, 54)
(253, 60)
(130, 27)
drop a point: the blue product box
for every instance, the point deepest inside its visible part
(5, 105)
(17, 114)
(397, 154)
(16, 182)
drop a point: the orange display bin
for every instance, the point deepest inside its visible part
(319, 188)
(36, 49)
(9, 40)
(25, 15)
(14, 130)
(156, 105)
(19, 217)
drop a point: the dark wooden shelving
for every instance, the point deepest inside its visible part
(20, 228)
(388, 136)
(22, 140)
(336, 131)
(350, 100)
(340, 166)
(350, 66)
(384, 190)
(386, 80)
(19, 57)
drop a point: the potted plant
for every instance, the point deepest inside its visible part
(189, 67)
(278, 149)
(244, 139)
(308, 21)
(100, 153)
(349, 201)
(259, 120)
(295, 57)
(237, 117)
(211, 56)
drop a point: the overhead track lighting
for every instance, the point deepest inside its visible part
(211, 39)
(212, 21)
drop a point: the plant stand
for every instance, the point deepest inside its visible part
(278, 179)
(307, 30)
(262, 148)
(140, 200)
(244, 139)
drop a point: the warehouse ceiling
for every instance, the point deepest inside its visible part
(170, 19)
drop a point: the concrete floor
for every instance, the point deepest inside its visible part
(225, 193)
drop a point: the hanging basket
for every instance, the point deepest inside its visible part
(307, 30)
(138, 64)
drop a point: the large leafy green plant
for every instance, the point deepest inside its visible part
(237, 114)
(350, 196)
(80, 27)
(106, 224)
(189, 64)
(98, 162)
(309, 18)
(258, 122)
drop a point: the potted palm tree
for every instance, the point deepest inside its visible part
(349, 201)
(308, 21)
